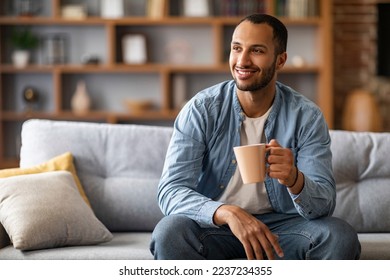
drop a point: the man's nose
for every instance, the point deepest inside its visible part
(244, 58)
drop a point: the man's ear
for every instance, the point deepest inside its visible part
(281, 60)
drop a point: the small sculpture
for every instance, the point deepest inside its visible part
(31, 98)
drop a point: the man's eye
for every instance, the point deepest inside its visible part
(235, 48)
(259, 51)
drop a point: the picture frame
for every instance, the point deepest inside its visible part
(134, 49)
(199, 8)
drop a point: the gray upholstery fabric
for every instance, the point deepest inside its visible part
(118, 165)
(124, 246)
(361, 164)
(375, 246)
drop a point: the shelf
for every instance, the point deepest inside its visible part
(9, 163)
(121, 68)
(156, 115)
(170, 20)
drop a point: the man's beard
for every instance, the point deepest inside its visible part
(265, 79)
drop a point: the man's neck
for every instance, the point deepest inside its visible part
(256, 104)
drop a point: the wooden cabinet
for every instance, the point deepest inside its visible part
(185, 54)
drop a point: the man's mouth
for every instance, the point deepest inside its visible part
(244, 74)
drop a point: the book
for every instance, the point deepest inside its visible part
(198, 8)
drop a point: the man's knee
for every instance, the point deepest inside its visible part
(344, 239)
(172, 236)
(172, 225)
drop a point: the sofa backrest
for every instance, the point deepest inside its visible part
(361, 165)
(118, 165)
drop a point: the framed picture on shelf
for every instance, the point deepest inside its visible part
(199, 8)
(134, 49)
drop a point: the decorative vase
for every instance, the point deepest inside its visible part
(20, 58)
(361, 112)
(81, 102)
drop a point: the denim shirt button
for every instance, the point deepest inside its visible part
(234, 161)
(221, 186)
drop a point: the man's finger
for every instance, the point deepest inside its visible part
(248, 250)
(273, 143)
(273, 239)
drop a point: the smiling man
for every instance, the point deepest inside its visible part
(210, 213)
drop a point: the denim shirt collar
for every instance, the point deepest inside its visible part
(272, 116)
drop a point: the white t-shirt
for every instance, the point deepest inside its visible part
(251, 197)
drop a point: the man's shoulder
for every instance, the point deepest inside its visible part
(295, 98)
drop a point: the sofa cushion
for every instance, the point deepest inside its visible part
(60, 162)
(361, 164)
(119, 165)
(45, 210)
(375, 246)
(123, 246)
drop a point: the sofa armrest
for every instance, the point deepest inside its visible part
(4, 239)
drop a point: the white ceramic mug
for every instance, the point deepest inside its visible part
(251, 162)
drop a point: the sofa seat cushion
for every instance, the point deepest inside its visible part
(134, 246)
(123, 246)
(375, 246)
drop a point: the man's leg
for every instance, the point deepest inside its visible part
(323, 238)
(177, 237)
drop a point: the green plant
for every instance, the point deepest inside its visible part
(24, 39)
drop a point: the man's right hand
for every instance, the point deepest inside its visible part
(254, 235)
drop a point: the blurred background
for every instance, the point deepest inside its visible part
(139, 61)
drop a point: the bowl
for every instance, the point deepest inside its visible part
(138, 105)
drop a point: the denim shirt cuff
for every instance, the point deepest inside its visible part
(206, 214)
(304, 203)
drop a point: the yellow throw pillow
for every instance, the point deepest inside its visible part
(62, 162)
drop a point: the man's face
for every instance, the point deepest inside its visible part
(252, 56)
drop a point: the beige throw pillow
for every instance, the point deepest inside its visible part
(45, 210)
(61, 162)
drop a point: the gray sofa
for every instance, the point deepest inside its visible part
(119, 167)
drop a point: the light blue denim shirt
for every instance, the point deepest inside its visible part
(200, 160)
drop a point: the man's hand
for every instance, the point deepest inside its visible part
(254, 235)
(282, 167)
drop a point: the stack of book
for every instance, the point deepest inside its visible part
(296, 8)
(240, 8)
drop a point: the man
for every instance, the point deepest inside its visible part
(210, 213)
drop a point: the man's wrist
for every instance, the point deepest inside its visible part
(298, 185)
(295, 178)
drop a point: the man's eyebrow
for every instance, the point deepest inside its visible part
(252, 46)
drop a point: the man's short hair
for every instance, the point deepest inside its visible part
(279, 29)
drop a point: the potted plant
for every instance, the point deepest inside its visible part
(23, 41)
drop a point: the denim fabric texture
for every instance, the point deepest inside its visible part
(327, 238)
